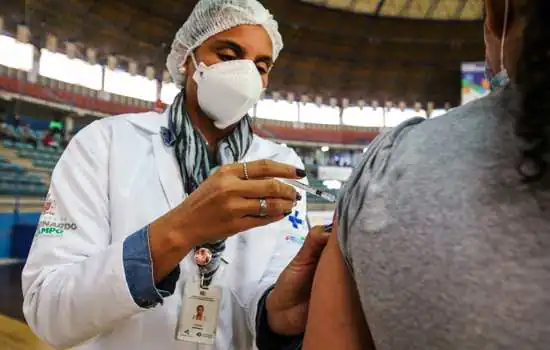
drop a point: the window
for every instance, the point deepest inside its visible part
(73, 71)
(437, 112)
(323, 114)
(396, 116)
(280, 110)
(135, 86)
(168, 92)
(366, 116)
(420, 113)
(15, 54)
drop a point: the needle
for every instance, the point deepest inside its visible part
(311, 190)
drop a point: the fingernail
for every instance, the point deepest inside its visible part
(298, 196)
(328, 228)
(301, 173)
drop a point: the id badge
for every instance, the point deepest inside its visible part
(199, 314)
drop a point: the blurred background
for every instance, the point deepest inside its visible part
(350, 69)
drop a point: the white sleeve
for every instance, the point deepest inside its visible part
(282, 255)
(74, 285)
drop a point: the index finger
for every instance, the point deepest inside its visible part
(261, 169)
(315, 243)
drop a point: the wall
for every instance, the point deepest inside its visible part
(6, 221)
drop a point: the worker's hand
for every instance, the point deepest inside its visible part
(224, 204)
(227, 203)
(287, 304)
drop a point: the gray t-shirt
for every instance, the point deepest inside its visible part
(448, 249)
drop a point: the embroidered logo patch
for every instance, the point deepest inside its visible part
(54, 228)
(295, 239)
(50, 231)
(295, 220)
(48, 208)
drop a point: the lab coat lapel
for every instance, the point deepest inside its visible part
(168, 171)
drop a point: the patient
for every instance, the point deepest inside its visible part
(443, 233)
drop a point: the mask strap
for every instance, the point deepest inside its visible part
(194, 60)
(504, 33)
(182, 68)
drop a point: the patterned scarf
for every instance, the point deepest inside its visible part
(196, 163)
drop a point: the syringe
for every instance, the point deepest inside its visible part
(311, 190)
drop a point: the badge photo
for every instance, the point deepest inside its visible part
(199, 311)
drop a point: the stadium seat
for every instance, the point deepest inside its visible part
(8, 144)
(10, 167)
(14, 180)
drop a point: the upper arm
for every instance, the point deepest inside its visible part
(335, 319)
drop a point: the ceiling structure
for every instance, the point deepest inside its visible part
(361, 49)
(443, 10)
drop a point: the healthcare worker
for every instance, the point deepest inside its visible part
(151, 215)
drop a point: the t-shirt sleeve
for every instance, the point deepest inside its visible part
(365, 183)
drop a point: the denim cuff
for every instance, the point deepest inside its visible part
(138, 267)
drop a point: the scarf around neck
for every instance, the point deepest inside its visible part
(196, 163)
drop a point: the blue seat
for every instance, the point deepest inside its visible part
(35, 179)
(4, 188)
(11, 128)
(10, 167)
(23, 189)
(24, 153)
(14, 179)
(48, 150)
(42, 163)
(20, 145)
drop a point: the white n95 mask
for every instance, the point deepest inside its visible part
(226, 91)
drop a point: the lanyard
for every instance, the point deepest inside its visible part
(208, 258)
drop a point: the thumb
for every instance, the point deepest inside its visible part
(315, 242)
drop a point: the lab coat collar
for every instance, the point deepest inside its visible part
(149, 121)
(152, 122)
(168, 171)
(164, 158)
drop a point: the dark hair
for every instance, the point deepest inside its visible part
(533, 80)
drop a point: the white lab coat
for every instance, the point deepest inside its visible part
(115, 177)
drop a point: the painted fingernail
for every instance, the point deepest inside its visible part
(301, 173)
(298, 196)
(328, 228)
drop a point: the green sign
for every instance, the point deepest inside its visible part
(49, 231)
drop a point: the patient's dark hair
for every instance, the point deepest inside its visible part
(533, 80)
